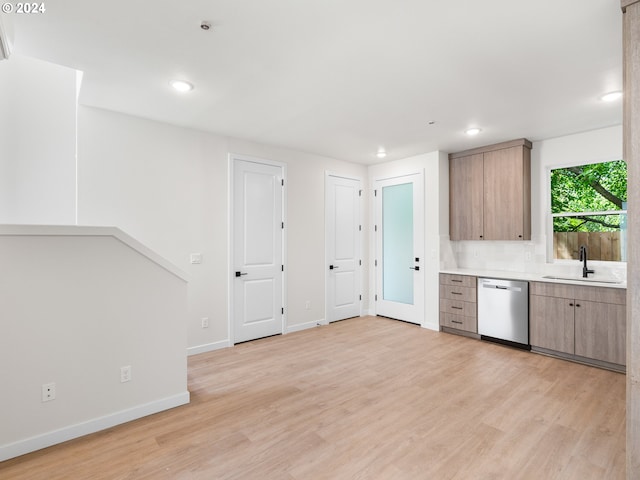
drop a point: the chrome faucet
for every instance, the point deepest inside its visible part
(583, 258)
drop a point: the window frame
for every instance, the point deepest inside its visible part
(550, 216)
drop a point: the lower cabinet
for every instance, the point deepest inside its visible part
(552, 323)
(588, 322)
(601, 331)
(458, 304)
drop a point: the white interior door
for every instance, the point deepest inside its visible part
(399, 248)
(257, 250)
(342, 230)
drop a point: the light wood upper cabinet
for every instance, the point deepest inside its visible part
(466, 197)
(507, 194)
(490, 192)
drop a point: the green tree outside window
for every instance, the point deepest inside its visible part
(578, 194)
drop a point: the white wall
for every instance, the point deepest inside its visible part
(531, 256)
(37, 142)
(435, 166)
(168, 187)
(77, 305)
(163, 186)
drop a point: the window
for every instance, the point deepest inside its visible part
(589, 207)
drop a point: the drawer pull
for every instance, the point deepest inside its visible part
(454, 280)
(456, 321)
(456, 293)
(457, 308)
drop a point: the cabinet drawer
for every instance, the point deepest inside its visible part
(616, 296)
(458, 280)
(453, 292)
(468, 324)
(457, 307)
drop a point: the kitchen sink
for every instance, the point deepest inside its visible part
(581, 279)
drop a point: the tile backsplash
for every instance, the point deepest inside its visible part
(528, 257)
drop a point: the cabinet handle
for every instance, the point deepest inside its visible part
(456, 293)
(459, 281)
(480, 236)
(457, 308)
(577, 304)
(455, 321)
(571, 304)
(519, 236)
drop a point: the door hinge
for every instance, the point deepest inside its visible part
(283, 225)
(375, 228)
(282, 310)
(376, 297)
(360, 262)
(375, 193)
(282, 182)
(360, 297)
(376, 263)
(359, 193)
(282, 267)
(359, 228)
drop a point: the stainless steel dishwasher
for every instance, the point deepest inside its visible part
(503, 311)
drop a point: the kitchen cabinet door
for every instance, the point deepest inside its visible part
(507, 195)
(465, 198)
(600, 331)
(551, 323)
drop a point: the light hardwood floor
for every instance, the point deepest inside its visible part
(366, 398)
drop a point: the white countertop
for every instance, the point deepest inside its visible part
(534, 277)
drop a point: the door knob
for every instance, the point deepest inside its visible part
(414, 268)
(239, 274)
(331, 267)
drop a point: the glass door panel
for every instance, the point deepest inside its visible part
(397, 243)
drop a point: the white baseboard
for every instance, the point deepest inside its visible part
(64, 434)
(431, 326)
(304, 326)
(208, 347)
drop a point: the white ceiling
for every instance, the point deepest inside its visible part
(341, 78)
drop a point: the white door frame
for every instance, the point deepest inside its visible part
(328, 174)
(420, 226)
(230, 255)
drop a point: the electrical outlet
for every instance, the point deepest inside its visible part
(527, 256)
(125, 374)
(48, 392)
(205, 322)
(307, 305)
(196, 258)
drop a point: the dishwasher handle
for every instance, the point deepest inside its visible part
(501, 287)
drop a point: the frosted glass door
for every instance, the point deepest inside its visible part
(397, 243)
(399, 214)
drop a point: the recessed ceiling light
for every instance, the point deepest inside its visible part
(181, 85)
(611, 96)
(381, 153)
(472, 131)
